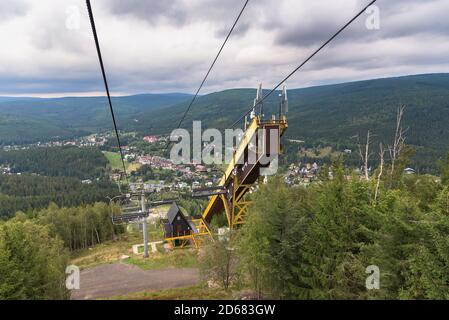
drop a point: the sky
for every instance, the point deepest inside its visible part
(159, 46)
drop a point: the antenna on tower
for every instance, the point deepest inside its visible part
(283, 106)
(257, 102)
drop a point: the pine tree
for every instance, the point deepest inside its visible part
(32, 263)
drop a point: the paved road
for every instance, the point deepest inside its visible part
(115, 279)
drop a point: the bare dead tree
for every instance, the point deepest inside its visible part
(365, 155)
(399, 139)
(381, 168)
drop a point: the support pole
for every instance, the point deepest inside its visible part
(144, 226)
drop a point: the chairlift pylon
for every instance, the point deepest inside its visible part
(133, 206)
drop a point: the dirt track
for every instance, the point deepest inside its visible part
(115, 279)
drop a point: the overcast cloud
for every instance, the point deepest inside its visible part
(167, 46)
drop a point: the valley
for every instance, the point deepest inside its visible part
(321, 116)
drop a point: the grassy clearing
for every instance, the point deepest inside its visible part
(161, 209)
(115, 162)
(159, 247)
(154, 231)
(180, 258)
(114, 159)
(132, 166)
(324, 152)
(108, 252)
(199, 292)
(111, 252)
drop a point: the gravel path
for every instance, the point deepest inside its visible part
(115, 279)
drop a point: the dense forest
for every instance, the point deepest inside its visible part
(31, 192)
(79, 227)
(82, 163)
(316, 242)
(32, 262)
(34, 248)
(320, 240)
(303, 242)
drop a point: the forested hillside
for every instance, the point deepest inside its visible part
(30, 192)
(82, 163)
(27, 120)
(332, 114)
(34, 251)
(327, 114)
(23, 129)
(53, 174)
(317, 241)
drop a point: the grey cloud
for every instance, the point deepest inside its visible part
(306, 35)
(401, 18)
(12, 8)
(378, 55)
(177, 12)
(151, 11)
(73, 72)
(241, 30)
(48, 84)
(51, 31)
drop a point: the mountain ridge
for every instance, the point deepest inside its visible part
(328, 114)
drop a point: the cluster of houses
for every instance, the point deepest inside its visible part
(194, 179)
(152, 139)
(156, 162)
(5, 169)
(301, 173)
(14, 148)
(307, 173)
(150, 187)
(95, 140)
(184, 177)
(179, 184)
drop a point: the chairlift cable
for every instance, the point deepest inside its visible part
(305, 62)
(210, 68)
(97, 44)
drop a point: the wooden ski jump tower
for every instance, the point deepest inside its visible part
(258, 149)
